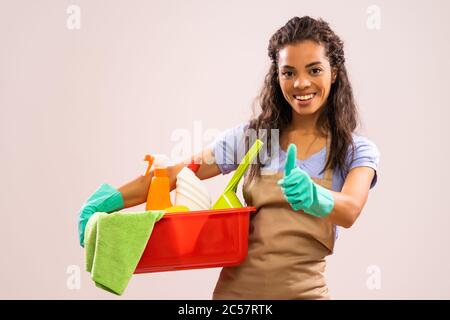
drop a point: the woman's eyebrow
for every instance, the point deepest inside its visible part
(307, 66)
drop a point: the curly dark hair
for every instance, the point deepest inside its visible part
(339, 116)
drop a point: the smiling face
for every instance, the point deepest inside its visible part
(305, 76)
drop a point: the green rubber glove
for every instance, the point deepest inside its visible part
(300, 190)
(104, 199)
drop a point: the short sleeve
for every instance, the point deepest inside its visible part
(229, 148)
(366, 155)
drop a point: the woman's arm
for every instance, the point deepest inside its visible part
(135, 192)
(349, 203)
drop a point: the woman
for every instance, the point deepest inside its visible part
(315, 177)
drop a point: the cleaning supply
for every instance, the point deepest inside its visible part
(193, 166)
(300, 190)
(104, 199)
(190, 190)
(114, 245)
(150, 159)
(229, 198)
(159, 192)
(177, 209)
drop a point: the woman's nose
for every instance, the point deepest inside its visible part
(302, 82)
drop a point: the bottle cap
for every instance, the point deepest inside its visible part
(194, 166)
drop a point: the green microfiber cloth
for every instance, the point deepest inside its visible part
(114, 244)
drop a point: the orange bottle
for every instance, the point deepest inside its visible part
(158, 197)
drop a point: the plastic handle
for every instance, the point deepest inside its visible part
(243, 166)
(150, 159)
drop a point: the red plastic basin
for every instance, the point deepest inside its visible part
(197, 239)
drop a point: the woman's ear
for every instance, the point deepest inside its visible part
(333, 75)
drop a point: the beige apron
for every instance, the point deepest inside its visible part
(286, 248)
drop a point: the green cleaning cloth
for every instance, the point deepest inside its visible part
(114, 244)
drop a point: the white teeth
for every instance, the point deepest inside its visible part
(307, 97)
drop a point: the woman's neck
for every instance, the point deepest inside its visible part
(305, 125)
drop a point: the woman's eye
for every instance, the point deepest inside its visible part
(287, 73)
(316, 71)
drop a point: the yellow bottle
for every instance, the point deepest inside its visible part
(158, 197)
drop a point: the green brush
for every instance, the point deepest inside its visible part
(228, 198)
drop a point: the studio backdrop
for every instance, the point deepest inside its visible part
(87, 88)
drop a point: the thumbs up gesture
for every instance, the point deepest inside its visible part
(300, 190)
